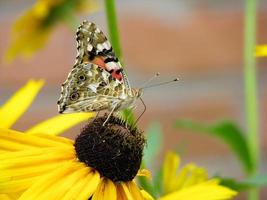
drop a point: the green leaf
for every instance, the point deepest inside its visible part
(256, 181)
(233, 184)
(153, 147)
(157, 181)
(154, 144)
(259, 180)
(154, 186)
(128, 116)
(226, 131)
(147, 185)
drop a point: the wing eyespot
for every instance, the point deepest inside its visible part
(82, 77)
(74, 96)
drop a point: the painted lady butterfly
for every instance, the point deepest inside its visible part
(97, 81)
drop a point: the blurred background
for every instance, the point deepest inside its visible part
(199, 41)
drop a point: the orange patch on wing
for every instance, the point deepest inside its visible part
(100, 62)
(116, 76)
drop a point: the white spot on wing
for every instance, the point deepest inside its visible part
(100, 47)
(105, 75)
(112, 65)
(89, 47)
(93, 87)
(106, 45)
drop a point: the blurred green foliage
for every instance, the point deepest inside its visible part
(226, 131)
(256, 181)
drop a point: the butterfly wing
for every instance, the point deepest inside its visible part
(93, 46)
(89, 88)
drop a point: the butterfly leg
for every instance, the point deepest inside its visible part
(110, 114)
(94, 117)
(97, 114)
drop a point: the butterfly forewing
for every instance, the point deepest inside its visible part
(93, 46)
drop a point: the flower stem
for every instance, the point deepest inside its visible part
(115, 42)
(113, 27)
(250, 77)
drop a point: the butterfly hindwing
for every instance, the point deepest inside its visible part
(88, 88)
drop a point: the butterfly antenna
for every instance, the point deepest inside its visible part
(142, 112)
(149, 80)
(163, 83)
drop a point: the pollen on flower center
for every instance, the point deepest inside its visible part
(114, 150)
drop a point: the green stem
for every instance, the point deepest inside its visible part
(250, 77)
(113, 27)
(115, 42)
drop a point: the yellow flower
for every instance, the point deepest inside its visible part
(42, 166)
(32, 29)
(14, 108)
(190, 183)
(261, 50)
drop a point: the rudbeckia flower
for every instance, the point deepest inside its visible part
(261, 50)
(14, 108)
(191, 182)
(32, 30)
(100, 164)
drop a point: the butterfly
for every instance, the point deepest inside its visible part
(97, 80)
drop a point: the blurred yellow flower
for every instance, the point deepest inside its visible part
(14, 108)
(191, 182)
(261, 50)
(31, 31)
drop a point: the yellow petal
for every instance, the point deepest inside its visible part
(93, 181)
(40, 9)
(77, 187)
(60, 123)
(105, 190)
(261, 50)
(127, 191)
(184, 174)
(37, 156)
(13, 196)
(17, 185)
(134, 190)
(11, 111)
(60, 140)
(59, 189)
(197, 175)
(46, 181)
(19, 170)
(32, 40)
(5, 197)
(120, 192)
(144, 172)
(146, 195)
(170, 166)
(19, 141)
(209, 190)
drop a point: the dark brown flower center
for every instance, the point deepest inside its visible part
(114, 150)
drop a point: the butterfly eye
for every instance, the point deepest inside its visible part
(74, 96)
